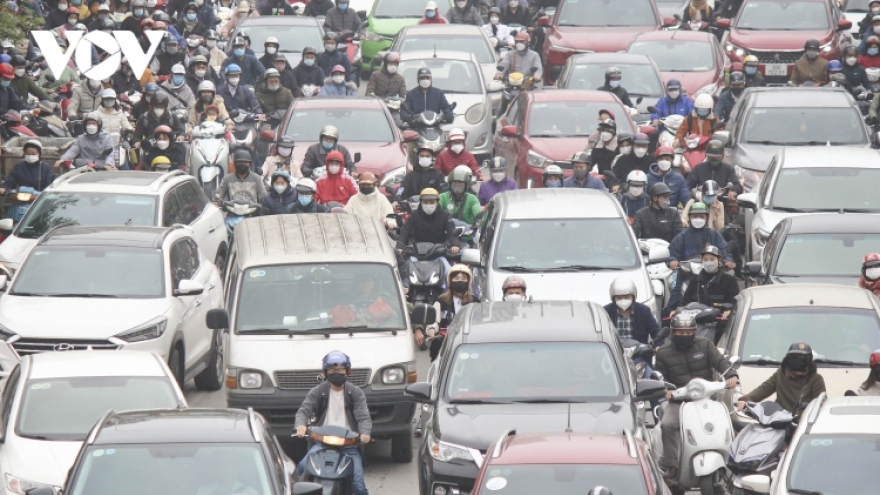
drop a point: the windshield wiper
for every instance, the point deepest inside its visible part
(265, 331)
(807, 143)
(788, 209)
(762, 362)
(837, 362)
(801, 491)
(486, 400)
(516, 268)
(110, 296)
(560, 135)
(581, 268)
(353, 329)
(767, 142)
(545, 401)
(28, 294)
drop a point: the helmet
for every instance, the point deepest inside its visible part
(659, 189)
(424, 145)
(851, 50)
(367, 178)
(739, 79)
(161, 162)
(498, 163)
(624, 136)
(73, 10)
(460, 268)
(241, 155)
(608, 124)
(107, 24)
(521, 36)
(33, 143)
(198, 59)
(160, 26)
(599, 490)
(207, 86)
(162, 129)
(306, 185)
(329, 131)
(335, 357)
(460, 173)
(108, 93)
(683, 320)
(814, 44)
(875, 358)
(337, 68)
(93, 116)
(871, 260)
(232, 69)
(637, 176)
(664, 150)
(800, 348)
(673, 84)
(704, 101)
(151, 87)
(159, 100)
(552, 170)
(642, 138)
(285, 142)
(429, 193)
(281, 173)
(613, 72)
(715, 148)
(432, 5)
(835, 66)
(392, 58)
(750, 59)
(331, 36)
(581, 157)
(244, 7)
(455, 134)
(178, 69)
(623, 286)
(495, 10)
(18, 61)
(273, 72)
(698, 208)
(271, 40)
(6, 71)
(211, 35)
(713, 250)
(424, 72)
(513, 282)
(170, 39)
(308, 51)
(710, 188)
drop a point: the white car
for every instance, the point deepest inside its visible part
(138, 288)
(52, 400)
(118, 198)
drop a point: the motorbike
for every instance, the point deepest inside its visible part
(309, 90)
(662, 277)
(121, 149)
(43, 121)
(514, 84)
(209, 155)
(707, 319)
(330, 467)
(22, 199)
(236, 211)
(427, 124)
(427, 275)
(244, 135)
(694, 152)
(13, 125)
(670, 127)
(350, 44)
(393, 103)
(758, 447)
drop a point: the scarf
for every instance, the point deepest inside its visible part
(871, 286)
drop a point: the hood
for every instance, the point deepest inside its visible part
(837, 379)
(581, 286)
(754, 156)
(596, 39)
(389, 27)
(692, 81)
(558, 148)
(56, 458)
(478, 425)
(841, 280)
(776, 40)
(378, 158)
(14, 249)
(72, 317)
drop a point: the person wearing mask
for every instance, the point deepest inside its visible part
(236, 95)
(337, 403)
(170, 56)
(249, 68)
(23, 84)
(459, 201)
(754, 78)
(463, 12)
(216, 56)
(158, 115)
(164, 147)
(281, 158)
(342, 19)
(208, 98)
(715, 169)
(514, 289)
(316, 155)
(288, 76)
(632, 319)
(95, 22)
(552, 176)
(178, 92)
(113, 119)
(811, 67)
(708, 194)
(499, 182)
(336, 85)
(57, 17)
(318, 8)
(456, 154)
(426, 97)
(430, 223)
(200, 71)
(854, 72)
(143, 106)
(870, 278)
(660, 220)
(523, 59)
(625, 143)
(32, 171)
(639, 159)
(712, 287)
(796, 382)
(244, 184)
(281, 197)
(308, 72)
(270, 49)
(496, 31)
(84, 98)
(422, 176)
(9, 100)
(736, 86)
(432, 14)
(457, 294)
(132, 22)
(634, 199)
(91, 145)
(206, 13)
(581, 177)
(336, 184)
(306, 198)
(276, 7)
(514, 13)
(369, 202)
(331, 57)
(124, 80)
(387, 82)
(872, 30)
(662, 171)
(189, 22)
(674, 103)
(697, 10)
(701, 121)
(613, 75)
(602, 145)
(871, 57)
(271, 95)
(871, 386)
(680, 360)
(867, 22)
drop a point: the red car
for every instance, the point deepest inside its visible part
(542, 128)
(586, 26)
(775, 31)
(693, 57)
(568, 464)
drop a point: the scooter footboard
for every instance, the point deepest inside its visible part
(707, 462)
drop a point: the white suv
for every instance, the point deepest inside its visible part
(84, 197)
(138, 288)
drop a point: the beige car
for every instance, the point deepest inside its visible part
(842, 324)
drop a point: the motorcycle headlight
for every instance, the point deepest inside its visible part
(148, 331)
(393, 177)
(475, 113)
(250, 379)
(448, 452)
(537, 160)
(695, 390)
(14, 484)
(761, 237)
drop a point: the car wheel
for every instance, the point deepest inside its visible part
(220, 262)
(402, 447)
(211, 378)
(175, 363)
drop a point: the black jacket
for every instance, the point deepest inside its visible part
(306, 75)
(644, 324)
(415, 181)
(147, 123)
(193, 81)
(652, 223)
(421, 227)
(418, 100)
(855, 75)
(619, 91)
(624, 164)
(521, 16)
(38, 175)
(722, 174)
(700, 360)
(711, 289)
(167, 60)
(277, 204)
(318, 7)
(756, 81)
(447, 314)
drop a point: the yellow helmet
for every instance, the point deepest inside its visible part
(515, 79)
(750, 59)
(429, 193)
(161, 162)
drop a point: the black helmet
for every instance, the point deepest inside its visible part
(713, 250)
(581, 157)
(799, 357)
(609, 124)
(613, 73)
(683, 320)
(801, 348)
(159, 100)
(424, 72)
(710, 188)
(309, 51)
(715, 148)
(495, 10)
(737, 78)
(331, 36)
(624, 136)
(814, 44)
(659, 189)
(599, 490)
(241, 155)
(18, 61)
(285, 141)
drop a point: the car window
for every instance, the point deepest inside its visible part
(398, 9)
(187, 204)
(830, 189)
(677, 55)
(822, 460)
(477, 44)
(602, 13)
(277, 459)
(563, 119)
(765, 183)
(359, 124)
(231, 279)
(758, 15)
(184, 261)
(170, 208)
(841, 254)
(804, 126)
(772, 243)
(291, 38)
(563, 479)
(197, 196)
(88, 208)
(641, 79)
(7, 397)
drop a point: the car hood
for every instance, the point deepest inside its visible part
(378, 158)
(837, 379)
(776, 40)
(14, 249)
(597, 39)
(580, 286)
(558, 148)
(55, 459)
(74, 317)
(692, 81)
(478, 425)
(841, 280)
(390, 27)
(464, 102)
(754, 156)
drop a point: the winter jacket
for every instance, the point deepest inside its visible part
(680, 192)
(868, 62)
(590, 182)
(83, 101)
(602, 154)
(9, 100)
(24, 85)
(193, 81)
(691, 241)
(274, 101)
(206, 14)
(855, 75)
(519, 16)
(91, 148)
(498, 31)
(327, 60)
(701, 360)
(490, 188)
(318, 7)
(693, 124)
(339, 187)
(186, 28)
(789, 394)
(55, 18)
(666, 107)
(277, 8)
(338, 21)
(180, 97)
(384, 84)
(812, 70)
(711, 289)
(624, 164)
(243, 99)
(515, 61)
(632, 205)
(644, 324)
(114, 122)
(197, 111)
(313, 207)
(468, 15)
(38, 175)
(655, 223)
(125, 84)
(725, 105)
(438, 19)
(251, 69)
(874, 286)
(163, 62)
(278, 204)
(755, 80)
(306, 75)
(467, 208)
(175, 153)
(216, 57)
(723, 174)
(421, 227)
(148, 123)
(234, 188)
(419, 100)
(67, 76)
(374, 205)
(417, 180)
(447, 161)
(316, 156)
(331, 88)
(356, 411)
(620, 92)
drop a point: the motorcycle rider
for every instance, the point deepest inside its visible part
(603, 145)
(164, 146)
(249, 68)
(796, 382)
(457, 295)
(178, 92)
(94, 145)
(422, 176)
(336, 184)
(754, 79)
(811, 67)
(871, 386)
(158, 115)
(500, 181)
(674, 103)
(318, 8)
(701, 121)
(634, 199)
(84, 98)
(680, 360)
(638, 159)
(31, 171)
(464, 12)
(244, 184)
(867, 22)
(432, 14)
(170, 56)
(282, 159)
(426, 97)
(613, 75)
(337, 403)
(369, 202)
(23, 83)
(632, 319)
(871, 57)
(281, 197)
(216, 56)
(728, 98)
(497, 31)
(708, 194)
(514, 13)
(456, 154)
(132, 22)
(854, 72)
(124, 81)
(316, 155)
(308, 72)
(429, 223)
(331, 57)
(662, 171)
(552, 176)
(336, 85)
(113, 120)
(660, 220)
(57, 17)
(461, 203)
(715, 169)
(712, 286)
(342, 19)
(581, 178)
(189, 22)
(208, 97)
(870, 278)
(288, 76)
(697, 10)
(271, 95)
(514, 289)
(522, 59)
(200, 71)
(387, 82)
(236, 95)
(306, 198)
(277, 7)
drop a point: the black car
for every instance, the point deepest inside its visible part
(182, 452)
(533, 367)
(817, 248)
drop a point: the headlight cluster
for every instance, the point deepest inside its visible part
(695, 390)
(448, 452)
(399, 374)
(148, 331)
(371, 36)
(536, 160)
(393, 176)
(250, 379)
(17, 485)
(475, 113)
(736, 50)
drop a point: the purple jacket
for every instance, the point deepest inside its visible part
(490, 188)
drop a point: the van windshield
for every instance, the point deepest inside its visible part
(319, 298)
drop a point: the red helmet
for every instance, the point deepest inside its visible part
(73, 10)
(664, 150)
(872, 260)
(6, 71)
(522, 36)
(875, 358)
(736, 67)
(162, 129)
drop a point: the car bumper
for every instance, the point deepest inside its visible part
(449, 474)
(390, 410)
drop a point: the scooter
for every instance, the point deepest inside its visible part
(706, 317)
(694, 153)
(427, 124)
(514, 84)
(43, 121)
(662, 277)
(759, 446)
(427, 275)
(13, 125)
(22, 199)
(209, 155)
(236, 211)
(329, 466)
(244, 135)
(670, 127)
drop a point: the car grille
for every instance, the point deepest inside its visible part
(777, 57)
(307, 379)
(32, 346)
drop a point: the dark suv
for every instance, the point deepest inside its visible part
(535, 367)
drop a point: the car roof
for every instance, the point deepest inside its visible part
(611, 58)
(286, 21)
(808, 295)
(117, 236)
(833, 223)
(93, 363)
(176, 426)
(436, 55)
(360, 102)
(848, 415)
(121, 182)
(781, 97)
(443, 29)
(573, 95)
(544, 203)
(546, 321)
(830, 156)
(566, 448)
(678, 34)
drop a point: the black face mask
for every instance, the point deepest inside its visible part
(736, 91)
(242, 169)
(365, 190)
(207, 98)
(714, 162)
(336, 378)
(459, 286)
(683, 341)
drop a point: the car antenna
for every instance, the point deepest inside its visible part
(435, 50)
(568, 427)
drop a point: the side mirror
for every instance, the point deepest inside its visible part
(670, 21)
(647, 390)
(759, 483)
(6, 224)
(362, 14)
(267, 136)
(510, 131)
(722, 23)
(423, 315)
(4, 281)
(748, 200)
(43, 490)
(658, 288)
(357, 157)
(420, 392)
(844, 25)
(307, 488)
(189, 288)
(753, 269)
(723, 136)
(658, 254)
(217, 319)
(470, 256)
(639, 100)
(499, 68)
(410, 136)
(648, 130)
(652, 109)
(735, 362)
(494, 86)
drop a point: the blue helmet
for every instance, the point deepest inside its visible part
(335, 357)
(5, 59)
(151, 87)
(834, 66)
(232, 69)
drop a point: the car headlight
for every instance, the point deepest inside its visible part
(761, 237)
(537, 160)
(17, 485)
(148, 331)
(250, 379)
(736, 50)
(695, 390)
(750, 178)
(448, 452)
(371, 36)
(393, 376)
(827, 47)
(707, 90)
(393, 176)
(475, 113)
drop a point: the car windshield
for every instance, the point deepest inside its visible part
(783, 15)
(290, 38)
(803, 126)
(452, 76)
(858, 6)
(562, 119)
(561, 244)
(518, 372)
(822, 461)
(93, 271)
(840, 334)
(57, 208)
(355, 125)
(476, 44)
(396, 9)
(606, 13)
(66, 408)
(638, 79)
(173, 469)
(841, 254)
(563, 479)
(827, 189)
(677, 55)
(326, 297)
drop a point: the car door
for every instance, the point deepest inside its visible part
(486, 233)
(205, 219)
(184, 265)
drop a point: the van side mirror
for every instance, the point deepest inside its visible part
(420, 392)
(43, 490)
(267, 136)
(189, 288)
(753, 269)
(723, 136)
(217, 319)
(307, 488)
(357, 156)
(759, 483)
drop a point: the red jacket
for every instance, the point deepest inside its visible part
(337, 187)
(447, 161)
(438, 19)
(868, 61)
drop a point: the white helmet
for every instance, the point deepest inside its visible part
(704, 101)
(108, 93)
(431, 5)
(623, 286)
(637, 176)
(305, 185)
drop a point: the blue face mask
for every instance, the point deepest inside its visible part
(190, 17)
(614, 84)
(430, 14)
(138, 12)
(342, 7)
(177, 80)
(751, 71)
(703, 112)
(708, 199)
(239, 52)
(873, 51)
(76, 2)
(554, 183)
(304, 199)
(309, 62)
(5, 83)
(327, 145)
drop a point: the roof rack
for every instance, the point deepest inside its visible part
(66, 177)
(52, 229)
(630, 443)
(169, 230)
(94, 433)
(497, 451)
(165, 178)
(814, 413)
(252, 421)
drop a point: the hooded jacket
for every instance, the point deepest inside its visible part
(114, 121)
(338, 21)
(675, 181)
(327, 60)
(653, 223)
(711, 289)
(725, 105)
(447, 161)
(468, 15)
(83, 101)
(38, 175)
(277, 204)
(419, 179)
(91, 148)
(812, 70)
(233, 188)
(164, 61)
(489, 188)
(691, 241)
(701, 360)
(316, 156)
(306, 75)
(723, 174)
(9, 100)
(619, 92)
(318, 7)
(520, 16)
(339, 187)
(330, 88)
(624, 164)
(251, 69)
(855, 75)
(632, 205)
(374, 205)
(384, 84)
(273, 101)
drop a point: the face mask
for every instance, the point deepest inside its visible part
(513, 3)
(876, 29)
(702, 112)
(233, 81)
(521, 47)
(31, 158)
(710, 266)
(851, 61)
(5, 83)
(425, 83)
(200, 72)
(280, 188)
(338, 79)
(208, 98)
(211, 43)
(108, 103)
(171, 49)
(425, 161)
(458, 189)
(872, 51)
(664, 203)
(239, 52)
(457, 148)
(190, 17)
(553, 183)
(271, 50)
(514, 297)
(19, 72)
(624, 150)
(736, 91)
(459, 286)
(636, 191)
(328, 145)
(330, 47)
(273, 86)
(430, 14)
(242, 168)
(304, 199)
(498, 176)
(614, 84)
(812, 54)
(872, 273)
(91, 129)
(875, 10)
(664, 165)
(177, 80)
(580, 173)
(367, 190)
(640, 152)
(683, 341)
(159, 112)
(163, 145)
(624, 304)
(333, 169)
(751, 71)
(460, 4)
(72, 21)
(429, 209)
(94, 84)
(708, 200)
(285, 152)
(309, 62)
(337, 379)
(392, 69)
(494, 20)
(714, 161)
(698, 223)
(342, 7)
(138, 12)
(62, 6)
(674, 94)
(605, 136)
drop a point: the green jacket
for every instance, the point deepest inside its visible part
(465, 210)
(67, 75)
(24, 85)
(787, 392)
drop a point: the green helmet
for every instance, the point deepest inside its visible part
(698, 209)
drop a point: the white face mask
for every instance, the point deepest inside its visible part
(710, 266)
(279, 188)
(872, 273)
(425, 161)
(273, 87)
(425, 83)
(211, 43)
(19, 72)
(159, 112)
(91, 129)
(514, 297)
(498, 176)
(429, 209)
(664, 165)
(271, 50)
(513, 3)
(698, 223)
(494, 20)
(285, 152)
(674, 94)
(392, 69)
(162, 145)
(636, 191)
(624, 304)
(32, 158)
(333, 169)
(201, 72)
(624, 150)
(605, 136)
(851, 61)
(521, 47)
(457, 148)
(640, 152)
(338, 79)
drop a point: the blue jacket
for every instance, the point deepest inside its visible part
(417, 101)
(244, 98)
(592, 182)
(330, 88)
(9, 100)
(251, 69)
(632, 205)
(277, 204)
(690, 242)
(643, 321)
(206, 15)
(327, 60)
(39, 176)
(675, 181)
(666, 107)
(725, 105)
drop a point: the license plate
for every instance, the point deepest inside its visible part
(776, 70)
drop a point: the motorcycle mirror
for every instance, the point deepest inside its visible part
(735, 362)
(652, 109)
(357, 157)
(639, 100)
(267, 136)
(362, 14)
(307, 488)
(233, 113)
(500, 68)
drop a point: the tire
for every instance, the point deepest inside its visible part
(211, 378)
(220, 262)
(707, 484)
(175, 363)
(402, 447)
